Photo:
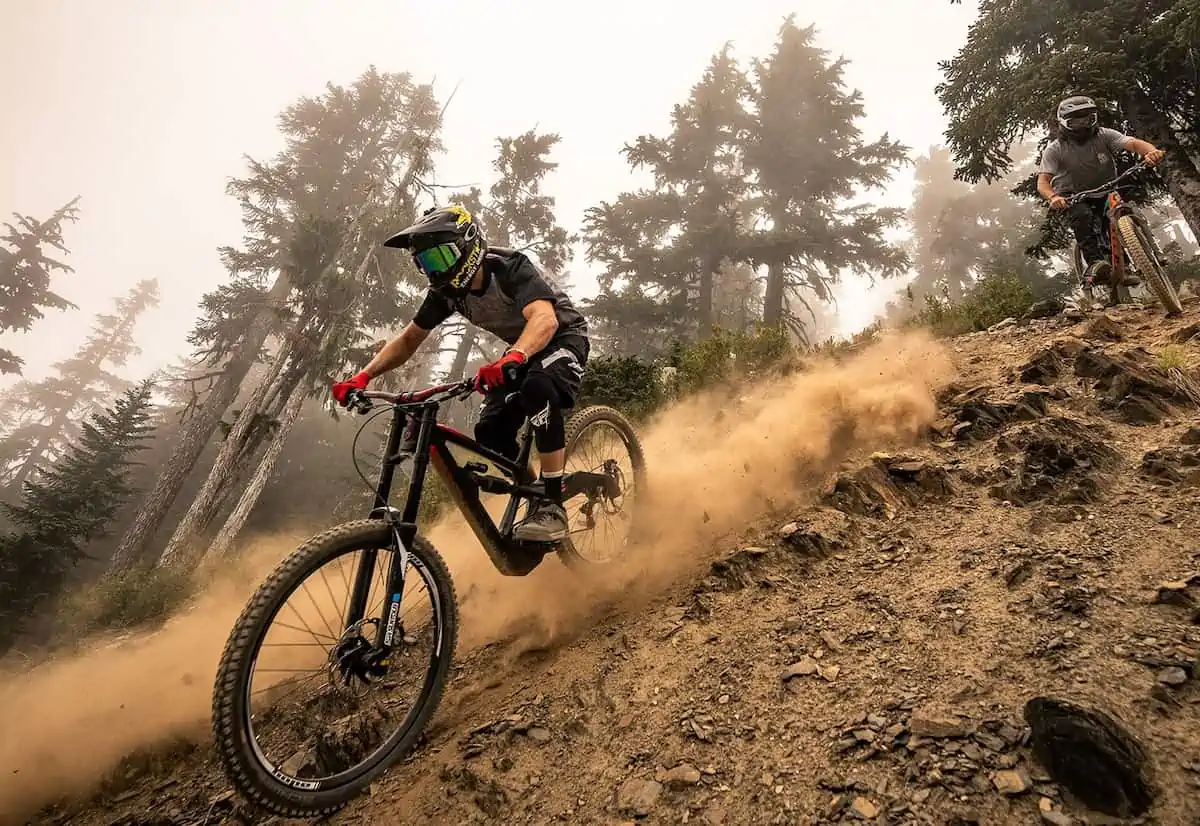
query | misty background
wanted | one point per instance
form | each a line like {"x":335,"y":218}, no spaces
{"x":145,"y":110}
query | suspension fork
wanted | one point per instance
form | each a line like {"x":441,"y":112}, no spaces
{"x":403,"y":532}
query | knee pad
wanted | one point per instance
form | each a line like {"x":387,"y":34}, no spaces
{"x":494,"y":433}
{"x":539,"y":399}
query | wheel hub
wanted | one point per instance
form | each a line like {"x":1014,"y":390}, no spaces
{"x":355,"y":658}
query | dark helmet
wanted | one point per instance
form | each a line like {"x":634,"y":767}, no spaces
{"x":447,"y":246}
{"x":1078,"y":117}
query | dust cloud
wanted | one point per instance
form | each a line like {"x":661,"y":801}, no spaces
{"x":716,"y":464}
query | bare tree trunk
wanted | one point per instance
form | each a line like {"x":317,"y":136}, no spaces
{"x":705,"y":310}
{"x":244,"y":465}
{"x":198,"y":431}
{"x":262,"y":474}
{"x":773,"y":297}
{"x":462,"y":355}
{"x":203,"y":508}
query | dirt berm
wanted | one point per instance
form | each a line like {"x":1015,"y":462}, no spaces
{"x":866,"y":649}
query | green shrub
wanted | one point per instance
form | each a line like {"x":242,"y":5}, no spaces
{"x":137,"y":598}
{"x":995,"y":298}
{"x":726,"y":354}
{"x":633,"y":386}
{"x":992,"y":299}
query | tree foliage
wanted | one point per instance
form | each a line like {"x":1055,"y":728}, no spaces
{"x":70,"y":503}
{"x":27,"y":270}
{"x":760,"y":168}
{"x":962,"y":230}
{"x":41,"y":417}
{"x":811,"y":162}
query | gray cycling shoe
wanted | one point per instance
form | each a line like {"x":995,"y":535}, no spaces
{"x":547,"y":523}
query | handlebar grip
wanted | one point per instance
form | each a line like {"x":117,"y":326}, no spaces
{"x":357,"y":402}
{"x":511,"y":373}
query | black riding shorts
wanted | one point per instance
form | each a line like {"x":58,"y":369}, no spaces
{"x":559,"y":368}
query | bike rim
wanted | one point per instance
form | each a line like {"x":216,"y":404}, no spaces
{"x":599,"y":530}
{"x":318,"y":756}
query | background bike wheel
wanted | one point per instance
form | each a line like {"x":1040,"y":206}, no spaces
{"x":1140,"y":250}
{"x":292,"y":786}
{"x":594,"y":435}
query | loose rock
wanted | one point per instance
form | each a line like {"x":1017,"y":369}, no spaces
{"x":638,"y":796}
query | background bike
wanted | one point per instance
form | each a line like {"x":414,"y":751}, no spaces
{"x":353,"y":656}
{"x":1132,"y":248}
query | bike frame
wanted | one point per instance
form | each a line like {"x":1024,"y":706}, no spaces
{"x":1114,"y":208}
{"x":464,"y":481}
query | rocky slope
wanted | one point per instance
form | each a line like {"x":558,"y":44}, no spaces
{"x":868,"y":658}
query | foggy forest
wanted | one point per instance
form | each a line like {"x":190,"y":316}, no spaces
{"x":768,"y":222}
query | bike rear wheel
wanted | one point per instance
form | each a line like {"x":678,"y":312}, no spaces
{"x":331,"y":765}
{"x":1141,"y":251}
{"x":601,"y":527}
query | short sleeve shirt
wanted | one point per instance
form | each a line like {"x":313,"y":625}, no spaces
{"x":511,"y":283}
{"x":1076,"y":167}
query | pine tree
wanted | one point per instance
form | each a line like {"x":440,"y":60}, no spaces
{"x":27,"y":270}
{"x":809,"y":157}
{"x":67,"y":505}
{"x":959,"y":229}
{"x":43,"y":416}
{"x":306,"y":278}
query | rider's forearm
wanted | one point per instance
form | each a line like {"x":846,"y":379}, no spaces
{"x":539,"y":329}
{"x":395,"y":353}
{"x":1043,"y":187}
{"x":1141,"y":147}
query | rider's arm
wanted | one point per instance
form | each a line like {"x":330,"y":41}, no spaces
{"x":397,"y":351}
{"x":541,"y":323}
{"x":1043,"y":185}
{"x":433,"y":311}
{"x":1047,"y":171}
{"x":534,"y":295}
{"x":1140,"y":147}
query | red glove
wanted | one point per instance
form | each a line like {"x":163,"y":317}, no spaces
{"x":491,"y":376}
{"x":341,"y":389}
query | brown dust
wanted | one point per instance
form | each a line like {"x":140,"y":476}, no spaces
{"x":716,"y":464}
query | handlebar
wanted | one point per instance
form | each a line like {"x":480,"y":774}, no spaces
{"x":360,"y":400}
{"x":1108,"y":187}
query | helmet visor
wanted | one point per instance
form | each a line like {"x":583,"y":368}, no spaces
{"x":1083,"y":121}
{"x":437,"y":260}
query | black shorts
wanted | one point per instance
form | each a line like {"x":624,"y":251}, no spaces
{"x":563,"y":361}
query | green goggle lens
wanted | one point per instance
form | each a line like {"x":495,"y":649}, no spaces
{"x":437,"y":260}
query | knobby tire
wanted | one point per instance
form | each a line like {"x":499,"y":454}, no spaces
{"x":578,"y":423}
{"x":1147,"y":265}
{"x":230,"y":716}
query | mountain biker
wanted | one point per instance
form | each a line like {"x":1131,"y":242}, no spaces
{"x":1079,"y":159}
{"x":502,"y":291}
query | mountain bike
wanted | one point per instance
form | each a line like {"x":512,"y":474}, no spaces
{"x":368,"y":648}
{"x":1131,"y":245}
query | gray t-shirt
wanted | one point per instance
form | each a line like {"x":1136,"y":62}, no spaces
{"x":511,"y":282}
{"x":1076,"y":167}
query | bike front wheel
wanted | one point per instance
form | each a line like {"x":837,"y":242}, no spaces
{"x":1142,"y":252}
{"x":282,"y":757}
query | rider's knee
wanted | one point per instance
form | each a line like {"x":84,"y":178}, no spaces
{"x":494,"y":433}
{"x":540,"y":400}
{"x":537,"y":391}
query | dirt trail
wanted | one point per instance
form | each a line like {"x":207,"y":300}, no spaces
{"x":815,"y":635}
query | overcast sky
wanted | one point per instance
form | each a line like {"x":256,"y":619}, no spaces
{"x":145,"y":108}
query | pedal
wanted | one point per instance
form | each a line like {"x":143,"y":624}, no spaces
{"x":475,"y":467}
